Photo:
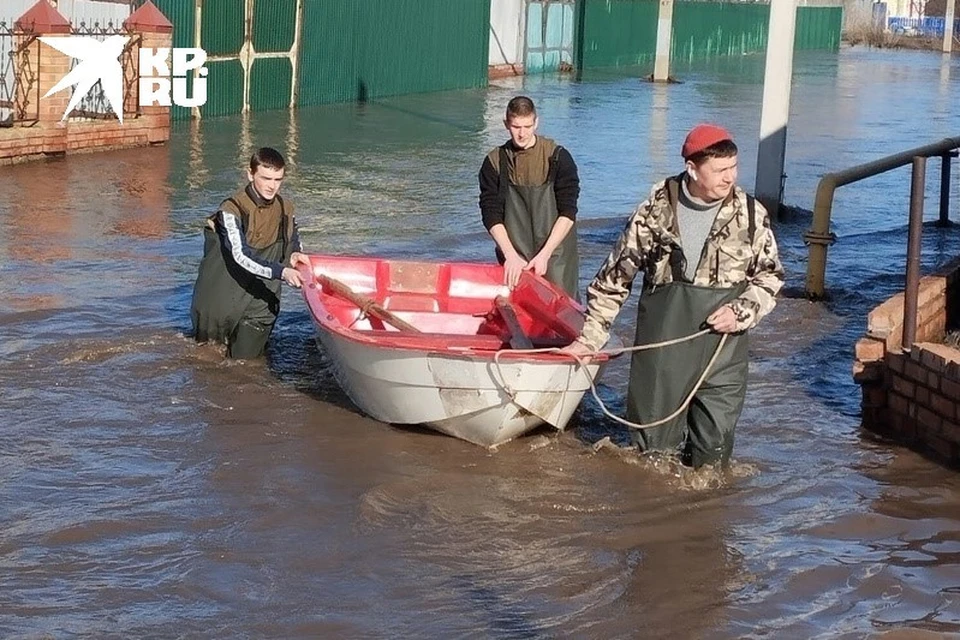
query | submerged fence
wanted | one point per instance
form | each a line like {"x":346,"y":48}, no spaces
{"x":623,"y":33}
{"x":268,"y":54}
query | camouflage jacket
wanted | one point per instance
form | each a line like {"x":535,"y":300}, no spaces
{"x":651,"y":238}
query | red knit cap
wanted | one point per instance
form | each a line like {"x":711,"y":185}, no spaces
{"x":703,"y":136}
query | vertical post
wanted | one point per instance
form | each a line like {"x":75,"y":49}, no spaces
{"x":776,"y":104}
{"x":657,"y":144}
{"x":948,"y":27}
{"x":580,"y":27}
{"x":945,"y":189}
{"x":661,"y":66}
{"x":819,"y":237}
{"x":198,"y":43}
{"x":156,"y":32}
{"x":914,"y":231}
{"x":295,"y":56}
{"x":247,"y":53}
{"x":42,"y":19}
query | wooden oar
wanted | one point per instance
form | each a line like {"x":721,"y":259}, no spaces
{"x":518,"y":339}
{"x":367,"y":305}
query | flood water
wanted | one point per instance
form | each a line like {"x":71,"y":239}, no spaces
{"x":148,"y":488}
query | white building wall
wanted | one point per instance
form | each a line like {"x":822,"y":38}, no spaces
{"x":507,"y":21}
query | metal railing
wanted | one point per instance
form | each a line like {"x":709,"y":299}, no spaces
{"x":20,"y":63}
{"x":819,"y":237}
{"x":19,"y":77}
{"x":911,"y":291}
{"x":95,"y":106}
{"x":932,"y":26}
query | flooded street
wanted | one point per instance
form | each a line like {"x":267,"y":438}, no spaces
{"x":148,"y":488}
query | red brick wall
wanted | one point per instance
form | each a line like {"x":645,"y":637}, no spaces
{"x":923,"y":400}
{"x":913,"y":395}
{"x":22,"y":144}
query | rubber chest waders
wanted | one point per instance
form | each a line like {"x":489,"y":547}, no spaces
{"x":660,"y":379}
{"x":529,"y":214}
{"x":231,"y":305}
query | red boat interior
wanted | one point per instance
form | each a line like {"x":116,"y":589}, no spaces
{"x":438,"y":305}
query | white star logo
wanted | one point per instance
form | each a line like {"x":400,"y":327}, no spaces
{"x":99,"y":62}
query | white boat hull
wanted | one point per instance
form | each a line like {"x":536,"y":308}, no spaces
{"x":465,"y":395}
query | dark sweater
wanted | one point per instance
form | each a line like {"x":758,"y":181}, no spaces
{"x":566,"y":187}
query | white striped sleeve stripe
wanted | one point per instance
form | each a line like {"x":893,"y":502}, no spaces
{"x":236,"y":242}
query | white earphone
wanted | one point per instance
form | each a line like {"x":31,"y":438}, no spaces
{"x":693,"y":175}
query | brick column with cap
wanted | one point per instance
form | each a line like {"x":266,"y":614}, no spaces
{"x":42,"y":19}
{"x":156,"y":33}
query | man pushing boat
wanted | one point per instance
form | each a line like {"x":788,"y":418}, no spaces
{"x":528,"y":201}
{"x":709,"y":260}
{"x":247,"y":244}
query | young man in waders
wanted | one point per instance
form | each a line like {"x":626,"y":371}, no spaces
{"x":528,"y":201}
{"x":247,"y":244}
{"x":709,"y":260}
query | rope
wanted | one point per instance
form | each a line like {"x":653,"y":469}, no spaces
{"x":616,"y":352}
{"x":364,"y":312}
{"x":365,"y":308}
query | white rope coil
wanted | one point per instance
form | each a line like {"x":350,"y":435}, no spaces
{"x":615,"y":352}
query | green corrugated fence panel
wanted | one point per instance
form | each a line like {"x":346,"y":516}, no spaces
{"x":326,"y":68}
{"x":708,"y":29}
{"x":270,"y":80}
{"x":221,"y":28}
{"x":618,"y":33}
{"x":360,"y":49}
{"x":224,"y":88}
{"x":182,"y":14}
{"x":818,"y":28}
{"x":274,"y":24}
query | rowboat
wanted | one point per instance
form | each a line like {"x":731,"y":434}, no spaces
{"x":447,"y":345}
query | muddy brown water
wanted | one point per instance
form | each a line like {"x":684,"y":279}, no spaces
{"x":148,"y":488}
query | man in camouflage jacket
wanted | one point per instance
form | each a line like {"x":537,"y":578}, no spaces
{"x":700,"y":215}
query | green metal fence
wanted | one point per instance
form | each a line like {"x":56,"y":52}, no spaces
{"x":182,"y":13}
{"x":360,"y":49}
{"x":819,"y":28}
{"x":274,"y":25}
{"x":224,"y":88}
{"x":615,"y":33}
{"x":222,"y":27}
{"x":703,"y":30}
{"x":271,"y":54}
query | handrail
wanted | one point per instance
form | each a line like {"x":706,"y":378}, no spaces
{"x":819,"y":237}
{"x":911,"y":290}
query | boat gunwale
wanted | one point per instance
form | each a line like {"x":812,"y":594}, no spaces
{"x":426,"y":343}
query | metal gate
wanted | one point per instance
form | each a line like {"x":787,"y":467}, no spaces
{"x":550,"y":31}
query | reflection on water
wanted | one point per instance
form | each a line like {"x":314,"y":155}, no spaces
{"x":153,"y":489}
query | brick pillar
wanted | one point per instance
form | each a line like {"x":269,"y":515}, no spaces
{"x":42,"y":19}
{"x":157,"y":33}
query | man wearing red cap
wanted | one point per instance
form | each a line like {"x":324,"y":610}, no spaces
{"x":709,"y":260}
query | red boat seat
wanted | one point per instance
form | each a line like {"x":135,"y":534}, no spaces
{"x":410,"y":302}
